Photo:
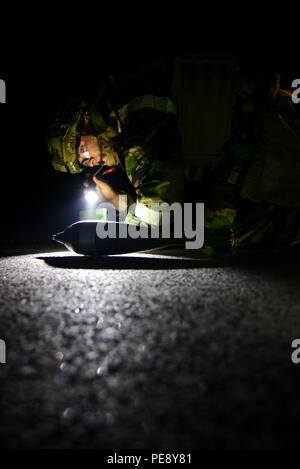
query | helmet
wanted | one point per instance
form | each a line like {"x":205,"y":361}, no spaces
{"x":62,"y":136}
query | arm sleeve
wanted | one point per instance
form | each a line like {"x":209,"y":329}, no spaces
{"x":153,"y":164}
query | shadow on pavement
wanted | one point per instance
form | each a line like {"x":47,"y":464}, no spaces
{"x":134,"y":262}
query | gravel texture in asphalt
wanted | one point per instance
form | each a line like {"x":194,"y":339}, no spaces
{"x":149,"y":351}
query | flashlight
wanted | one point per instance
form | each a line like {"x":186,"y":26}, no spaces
{"x":91,"y":197}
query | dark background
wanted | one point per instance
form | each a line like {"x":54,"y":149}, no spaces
{"x":252,"y":388}
{"x":52,"y":64}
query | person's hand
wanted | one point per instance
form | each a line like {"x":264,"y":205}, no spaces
{"x":87,"y":182}
{"x":107,"y":194}
{"x":104,"y":190}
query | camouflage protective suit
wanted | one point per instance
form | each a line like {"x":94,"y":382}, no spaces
{"x":256,"y":190}
{"x":135,"y":119}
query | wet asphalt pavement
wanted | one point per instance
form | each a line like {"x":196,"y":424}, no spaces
{"x":149,"y":351}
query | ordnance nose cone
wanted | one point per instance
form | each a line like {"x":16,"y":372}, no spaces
{"x":59,"y":237}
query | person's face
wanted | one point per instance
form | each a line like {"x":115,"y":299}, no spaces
{"x":89,"y":153}
{"x":92,"y":153}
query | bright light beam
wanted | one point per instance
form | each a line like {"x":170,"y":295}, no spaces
{"x":91,"y":197}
